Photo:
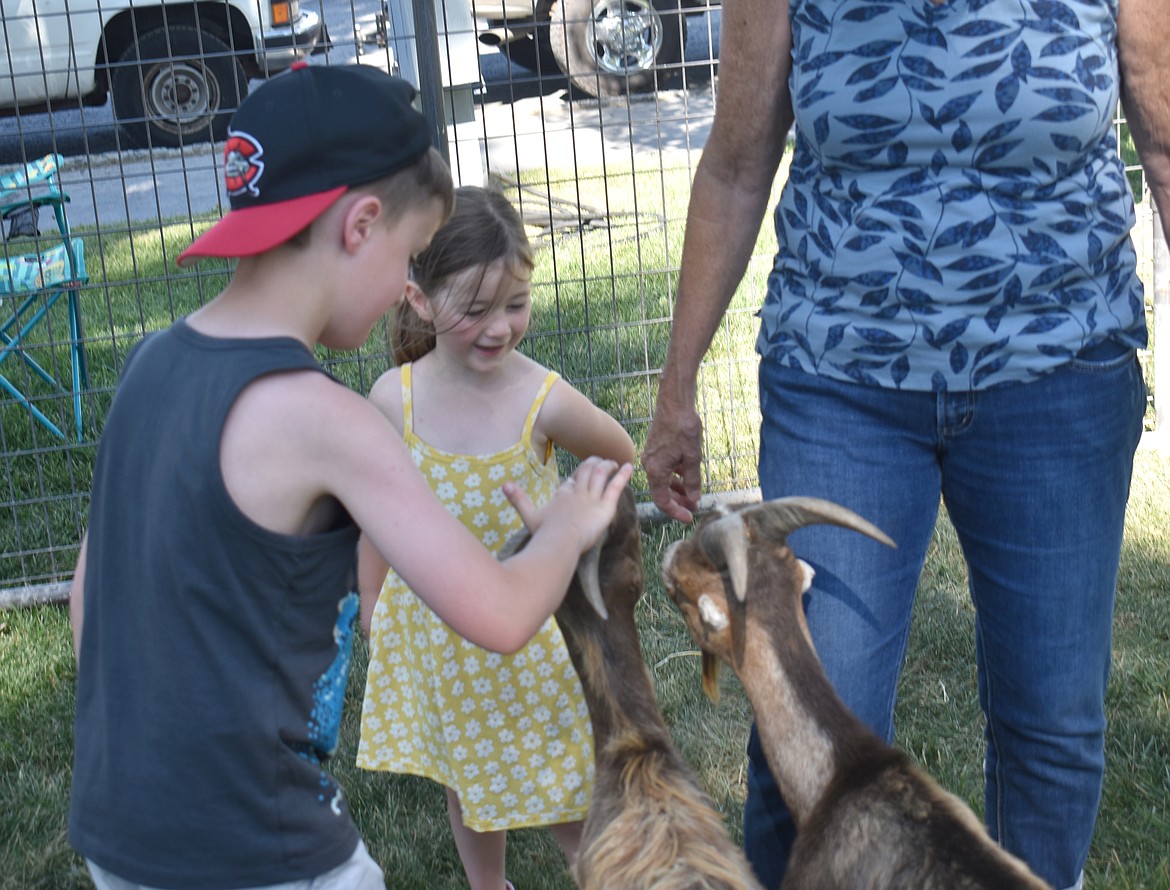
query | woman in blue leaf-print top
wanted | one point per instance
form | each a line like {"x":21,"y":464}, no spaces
{"x":952,"y":313}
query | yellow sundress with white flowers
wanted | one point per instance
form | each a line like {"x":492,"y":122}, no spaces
{"x":510,"y":734}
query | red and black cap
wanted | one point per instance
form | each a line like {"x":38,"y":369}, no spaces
{"x":298,"y":142}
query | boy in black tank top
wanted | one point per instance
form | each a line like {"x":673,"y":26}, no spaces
{"x":214,"y":596}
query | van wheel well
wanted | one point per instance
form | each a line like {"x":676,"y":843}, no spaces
{"x":218,"y":19}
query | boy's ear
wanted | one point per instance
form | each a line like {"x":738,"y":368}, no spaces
{"x":360,"y":220}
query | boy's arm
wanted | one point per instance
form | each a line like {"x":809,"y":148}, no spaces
{"x":77,"y":598}
{"x":345,"y":447}
{"x":574,"y":423}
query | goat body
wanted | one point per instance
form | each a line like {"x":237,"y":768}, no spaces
{"x":866,"y":816}
{"x":650,"y":825}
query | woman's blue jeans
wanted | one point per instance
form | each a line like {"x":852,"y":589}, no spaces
{"x":1035,"y":479}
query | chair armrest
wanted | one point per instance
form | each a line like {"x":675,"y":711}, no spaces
{"x":56,"y":199}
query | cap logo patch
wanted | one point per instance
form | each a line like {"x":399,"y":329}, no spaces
{"x":242,"y":164}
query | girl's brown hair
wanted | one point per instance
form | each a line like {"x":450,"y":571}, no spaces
{"x":484,"y":229}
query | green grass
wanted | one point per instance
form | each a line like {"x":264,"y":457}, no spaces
{"x":404,"y":819}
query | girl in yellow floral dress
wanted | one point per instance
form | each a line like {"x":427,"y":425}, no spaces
{"x":507,"y":735}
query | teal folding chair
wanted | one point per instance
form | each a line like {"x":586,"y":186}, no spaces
{"x":34,"y":281}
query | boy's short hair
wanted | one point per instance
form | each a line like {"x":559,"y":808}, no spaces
{"x":299,"y":142}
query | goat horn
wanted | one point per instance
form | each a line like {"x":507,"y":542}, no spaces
{"x":588,"y":567}
{"x":589,"y":577}
{"x":785,"y":515}
{"x":724,"y":540}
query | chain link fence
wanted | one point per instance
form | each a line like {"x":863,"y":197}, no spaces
{"x":601,"y":177}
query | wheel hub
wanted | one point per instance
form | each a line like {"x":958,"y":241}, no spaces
{"x":181,"y":96}
{"x":625,"y":35}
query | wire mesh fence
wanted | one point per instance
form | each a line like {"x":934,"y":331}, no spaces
{"x":601,"y":176}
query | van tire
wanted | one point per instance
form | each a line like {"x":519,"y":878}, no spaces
{"x":177,"y":85}
{"x":587,"y":41}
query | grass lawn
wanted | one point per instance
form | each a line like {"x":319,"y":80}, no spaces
{"x":404,"y":820}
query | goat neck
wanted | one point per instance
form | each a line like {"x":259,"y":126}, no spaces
{"x":602,"y":636}
{"x":650,"y":825}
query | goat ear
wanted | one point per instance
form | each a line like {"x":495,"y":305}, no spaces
{"x":724,"y":540}
{"x":809,"y":573}
{"x":589,"y":577}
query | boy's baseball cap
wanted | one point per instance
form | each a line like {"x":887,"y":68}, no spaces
{"x":298,"y":142}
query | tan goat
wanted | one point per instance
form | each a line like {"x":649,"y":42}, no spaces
{"x":866,"y":817}
{"x":650,"y":825}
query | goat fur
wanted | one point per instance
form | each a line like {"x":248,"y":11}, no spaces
{"x":866,"y":817}
{"x":650,"y":825}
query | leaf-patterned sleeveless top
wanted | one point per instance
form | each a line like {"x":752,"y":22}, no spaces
{"x":956,"y":216}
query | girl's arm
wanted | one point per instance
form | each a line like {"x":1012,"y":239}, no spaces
{"x":371,"y":573}
{"x":386,"y":396}
{"x":77,"y":598}
{"x":574,"y":423}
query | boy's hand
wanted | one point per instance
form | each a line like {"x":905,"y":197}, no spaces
{"x":587,"y":500}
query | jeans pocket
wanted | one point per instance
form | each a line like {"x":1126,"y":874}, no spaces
{"x":1104,"y":361}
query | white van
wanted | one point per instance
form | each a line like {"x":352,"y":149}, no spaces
{"x":174,"y":69}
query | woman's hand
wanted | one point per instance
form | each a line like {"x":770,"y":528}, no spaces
{"x":672,"y":456}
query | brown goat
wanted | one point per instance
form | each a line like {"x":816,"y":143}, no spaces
{"x":650,"y":825}
{"x":866,"y":817}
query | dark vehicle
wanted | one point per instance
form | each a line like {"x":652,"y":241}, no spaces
{"x":604,"y":47}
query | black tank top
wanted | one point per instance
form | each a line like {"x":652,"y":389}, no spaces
{"x":215,"y":652}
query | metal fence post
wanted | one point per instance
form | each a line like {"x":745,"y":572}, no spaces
{"x":430,"y":72}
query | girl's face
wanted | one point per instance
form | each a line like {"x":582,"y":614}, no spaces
{"x":482,"y":314}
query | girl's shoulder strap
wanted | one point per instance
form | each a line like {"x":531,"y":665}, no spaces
{"x":529,"y":422}
{"x":407,"y":400}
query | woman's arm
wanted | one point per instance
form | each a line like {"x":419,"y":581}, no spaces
{"x":729,"y":197}
{"x":1143,"y":38}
